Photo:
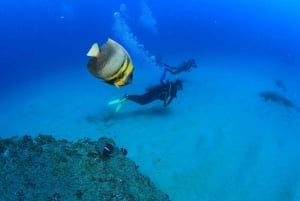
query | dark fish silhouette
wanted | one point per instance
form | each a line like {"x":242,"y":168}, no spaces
{"x":277,"y":98}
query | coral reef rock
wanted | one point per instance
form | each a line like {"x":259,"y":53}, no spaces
{"x":47,"y":169}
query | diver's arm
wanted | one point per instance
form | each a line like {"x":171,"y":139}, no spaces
{"x":167,"y":66}
{"x":168,"y":100}
{"x":170,"y":69}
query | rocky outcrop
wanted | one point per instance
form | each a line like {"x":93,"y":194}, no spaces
{"x":47,"y":169}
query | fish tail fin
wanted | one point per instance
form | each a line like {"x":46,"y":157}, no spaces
{"x":94,"y":51}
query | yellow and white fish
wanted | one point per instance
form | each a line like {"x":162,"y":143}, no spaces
{"x":111,"y":63}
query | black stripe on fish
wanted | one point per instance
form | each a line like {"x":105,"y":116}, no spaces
{"x":112,"y":81}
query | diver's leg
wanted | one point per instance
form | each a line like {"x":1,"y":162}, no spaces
{"x":141,"y":99}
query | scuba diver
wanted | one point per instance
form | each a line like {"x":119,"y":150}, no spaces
{"x":184,"y":67}
{"x":166,"y":91}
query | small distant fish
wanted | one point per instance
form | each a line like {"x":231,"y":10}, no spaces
{"x":280,"y":84}
{"x":277,"y":98}
{"x":111,"y":63}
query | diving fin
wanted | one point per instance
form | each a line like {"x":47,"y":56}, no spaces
{"x":119,"y":101}
{"x":116,"y":101}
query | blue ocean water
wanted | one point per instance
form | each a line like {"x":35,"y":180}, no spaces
{"x":219,"y":140}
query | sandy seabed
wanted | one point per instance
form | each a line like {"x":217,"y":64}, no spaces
{"x":217,"y":141}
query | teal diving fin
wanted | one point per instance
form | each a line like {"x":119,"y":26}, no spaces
{"x":119,"y":101}
{"x":116,"y":101}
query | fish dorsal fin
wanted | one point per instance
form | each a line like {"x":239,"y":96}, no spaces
{"x":94,"y":51}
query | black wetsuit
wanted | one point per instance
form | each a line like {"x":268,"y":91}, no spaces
{"x":186,"y":66}
{"x":165,"y":91}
